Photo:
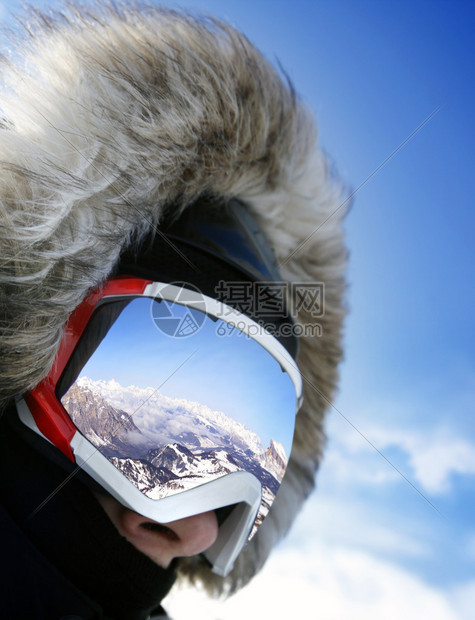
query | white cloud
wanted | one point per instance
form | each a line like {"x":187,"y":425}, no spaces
{"x":435,"y":464}
{"x":328,"y":583}
{"x":463,"y":599}
{"x":357,"y":525}
{"x":343,"y":465}
{"x":432,"y":456}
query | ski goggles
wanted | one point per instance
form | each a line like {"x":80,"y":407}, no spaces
{"x":175,"y":403}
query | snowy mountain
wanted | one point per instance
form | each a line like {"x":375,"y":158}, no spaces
{"x":165,"y":445}
{"x":104,"y":426}
{"x":276,"y":459}
{"x":193,"y":424}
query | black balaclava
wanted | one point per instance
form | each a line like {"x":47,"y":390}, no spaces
{"x":72,"y":530}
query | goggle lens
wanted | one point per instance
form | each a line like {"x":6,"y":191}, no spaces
{"x":175,"y":398}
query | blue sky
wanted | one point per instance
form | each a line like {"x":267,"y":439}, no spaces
{"x":386,"y":80}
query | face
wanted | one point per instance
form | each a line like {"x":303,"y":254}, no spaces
{"x":250,"y":418}
{"x":162,"y":542}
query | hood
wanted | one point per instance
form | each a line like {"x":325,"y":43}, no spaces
{"x":111,"y":118}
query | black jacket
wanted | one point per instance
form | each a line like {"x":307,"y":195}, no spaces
{"x":64,"y":559}
{"x":31,"y":587}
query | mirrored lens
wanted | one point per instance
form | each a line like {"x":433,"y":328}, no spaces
{"x":173,"y":412}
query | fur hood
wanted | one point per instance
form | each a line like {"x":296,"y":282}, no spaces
{"x":110,"y":117}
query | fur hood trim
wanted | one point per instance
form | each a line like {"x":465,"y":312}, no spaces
{"x":110,"y":117}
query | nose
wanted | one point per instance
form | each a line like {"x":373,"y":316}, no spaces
{"x":162,"y":542}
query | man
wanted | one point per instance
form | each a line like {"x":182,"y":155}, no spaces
{"x":165,"y":221}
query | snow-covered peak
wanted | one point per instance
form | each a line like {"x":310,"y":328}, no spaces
{"x":175,"y":418}
{"x":279,"y":449}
